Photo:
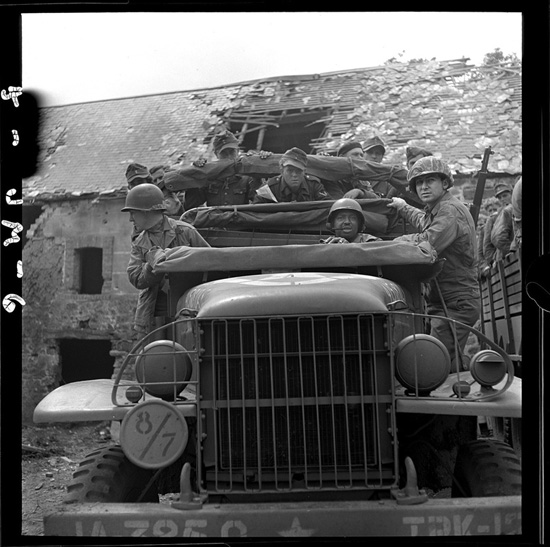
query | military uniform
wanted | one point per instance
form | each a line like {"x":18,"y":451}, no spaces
{"x":382,"y":188}
{"x":338,"y":189}
{"x":233,"y":190}
{"x":152,"y":300}
{"x":276,"y":190}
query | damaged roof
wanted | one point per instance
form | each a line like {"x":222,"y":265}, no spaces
{"x":453,"y":108}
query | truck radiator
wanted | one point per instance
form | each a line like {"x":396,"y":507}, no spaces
{"x":297,"y":403}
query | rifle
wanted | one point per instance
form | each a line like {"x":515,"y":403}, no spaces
{"x":480,"y":186}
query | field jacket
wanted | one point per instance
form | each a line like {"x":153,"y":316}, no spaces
{"x":449,"y":227}
{"x":233,"y":190}
{"x":276,"y":190}
{"x":172,"y":233}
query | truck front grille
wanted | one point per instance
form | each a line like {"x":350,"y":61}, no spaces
{"x":297,"y":403}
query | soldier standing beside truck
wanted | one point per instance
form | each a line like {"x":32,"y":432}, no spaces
{"x":155,"y":229}
{"x":447,"y":225}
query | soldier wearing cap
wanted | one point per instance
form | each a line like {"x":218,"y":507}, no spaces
{"x":447,"y":225}
{"x":293,"y":184}
{"x":502,"y":230}
{"x":157,"y":173}
{"x":374,"y":150}
{"x":137,"y":174}
{"x":414,"y":153}
{"x":233,"y":190}
{"x":350,"y":187}
{"x":145,"y":203}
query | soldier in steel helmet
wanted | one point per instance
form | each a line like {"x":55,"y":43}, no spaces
{"x":347,"y":221}
{"x":293,"y":184}
{"x":445,"y":223}
{"x":233,"y":190}
{"x":145,"y":203}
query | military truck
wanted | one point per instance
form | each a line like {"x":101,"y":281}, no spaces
{"x":294,"y":392}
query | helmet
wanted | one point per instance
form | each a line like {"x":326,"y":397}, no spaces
{"x":145,"y":197}
{"x":425,"y":166}
{"x":346,"y":204}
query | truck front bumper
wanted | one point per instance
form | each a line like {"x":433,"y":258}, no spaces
{"x":435,"y":517}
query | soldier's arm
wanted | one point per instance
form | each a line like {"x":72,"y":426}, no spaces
{"x":444,"y":229}
{"x":140,"y":272}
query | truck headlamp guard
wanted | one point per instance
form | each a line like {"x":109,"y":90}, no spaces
{"x":163,"y":368}
{"x":163,"y":361}
{"x":489,"y":367}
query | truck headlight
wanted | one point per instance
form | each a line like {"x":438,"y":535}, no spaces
{"x":422,"y":363}
{"x":487,"y":367}
{"x":163,"y":368}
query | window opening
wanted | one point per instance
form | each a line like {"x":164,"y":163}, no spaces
{"x":85,"y":359}
{"x":90,"y":270}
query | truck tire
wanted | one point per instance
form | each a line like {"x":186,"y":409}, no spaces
{"x":107,"y":476}
{"x":486,"y":468}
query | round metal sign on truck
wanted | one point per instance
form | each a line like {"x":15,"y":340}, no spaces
{"x":153,"y":434}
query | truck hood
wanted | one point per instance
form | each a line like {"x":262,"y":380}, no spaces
{"x":291,"y":294}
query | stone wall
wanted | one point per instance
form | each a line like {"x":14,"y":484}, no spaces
{"x":54,"y":308}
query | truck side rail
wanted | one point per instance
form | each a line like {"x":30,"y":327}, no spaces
{"x":501,"y":312}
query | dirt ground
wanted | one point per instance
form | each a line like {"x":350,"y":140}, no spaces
{"x":50,"y":455}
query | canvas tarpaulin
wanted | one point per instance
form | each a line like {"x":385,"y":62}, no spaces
{"x":305,"y":216}
{"x":377,"y":253}
{"x":325,"y":167}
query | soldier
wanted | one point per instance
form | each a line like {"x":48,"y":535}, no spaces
{"x":374,"y":150}
{"x":293,"y":184}
{"x":488,"y":251}
{"x":137,"y":174}
{"x":350,"y":188}
{"x":157,"y":173}
{"x":502,"y":231}
{"x":448,"y":226}
{"x":346,"y":220}
{"x":414,"y":153}
{"x":233,"y":190}
{"x":516,"y":213}
{"x":145,"y":203}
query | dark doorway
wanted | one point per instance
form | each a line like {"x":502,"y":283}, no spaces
{"x":85,"y":359}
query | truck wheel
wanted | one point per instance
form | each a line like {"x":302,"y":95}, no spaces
{"x":514,"y":437}
{"x":486,"y":468}
{"x":107,"y":476}
{"x":508,"y":430}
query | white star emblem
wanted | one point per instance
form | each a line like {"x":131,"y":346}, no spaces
{"x":296,"y":530}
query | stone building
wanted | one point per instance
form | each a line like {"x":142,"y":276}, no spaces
{"x":79,"y":303}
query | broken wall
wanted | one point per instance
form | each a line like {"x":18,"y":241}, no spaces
{"x":54,"y":308}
